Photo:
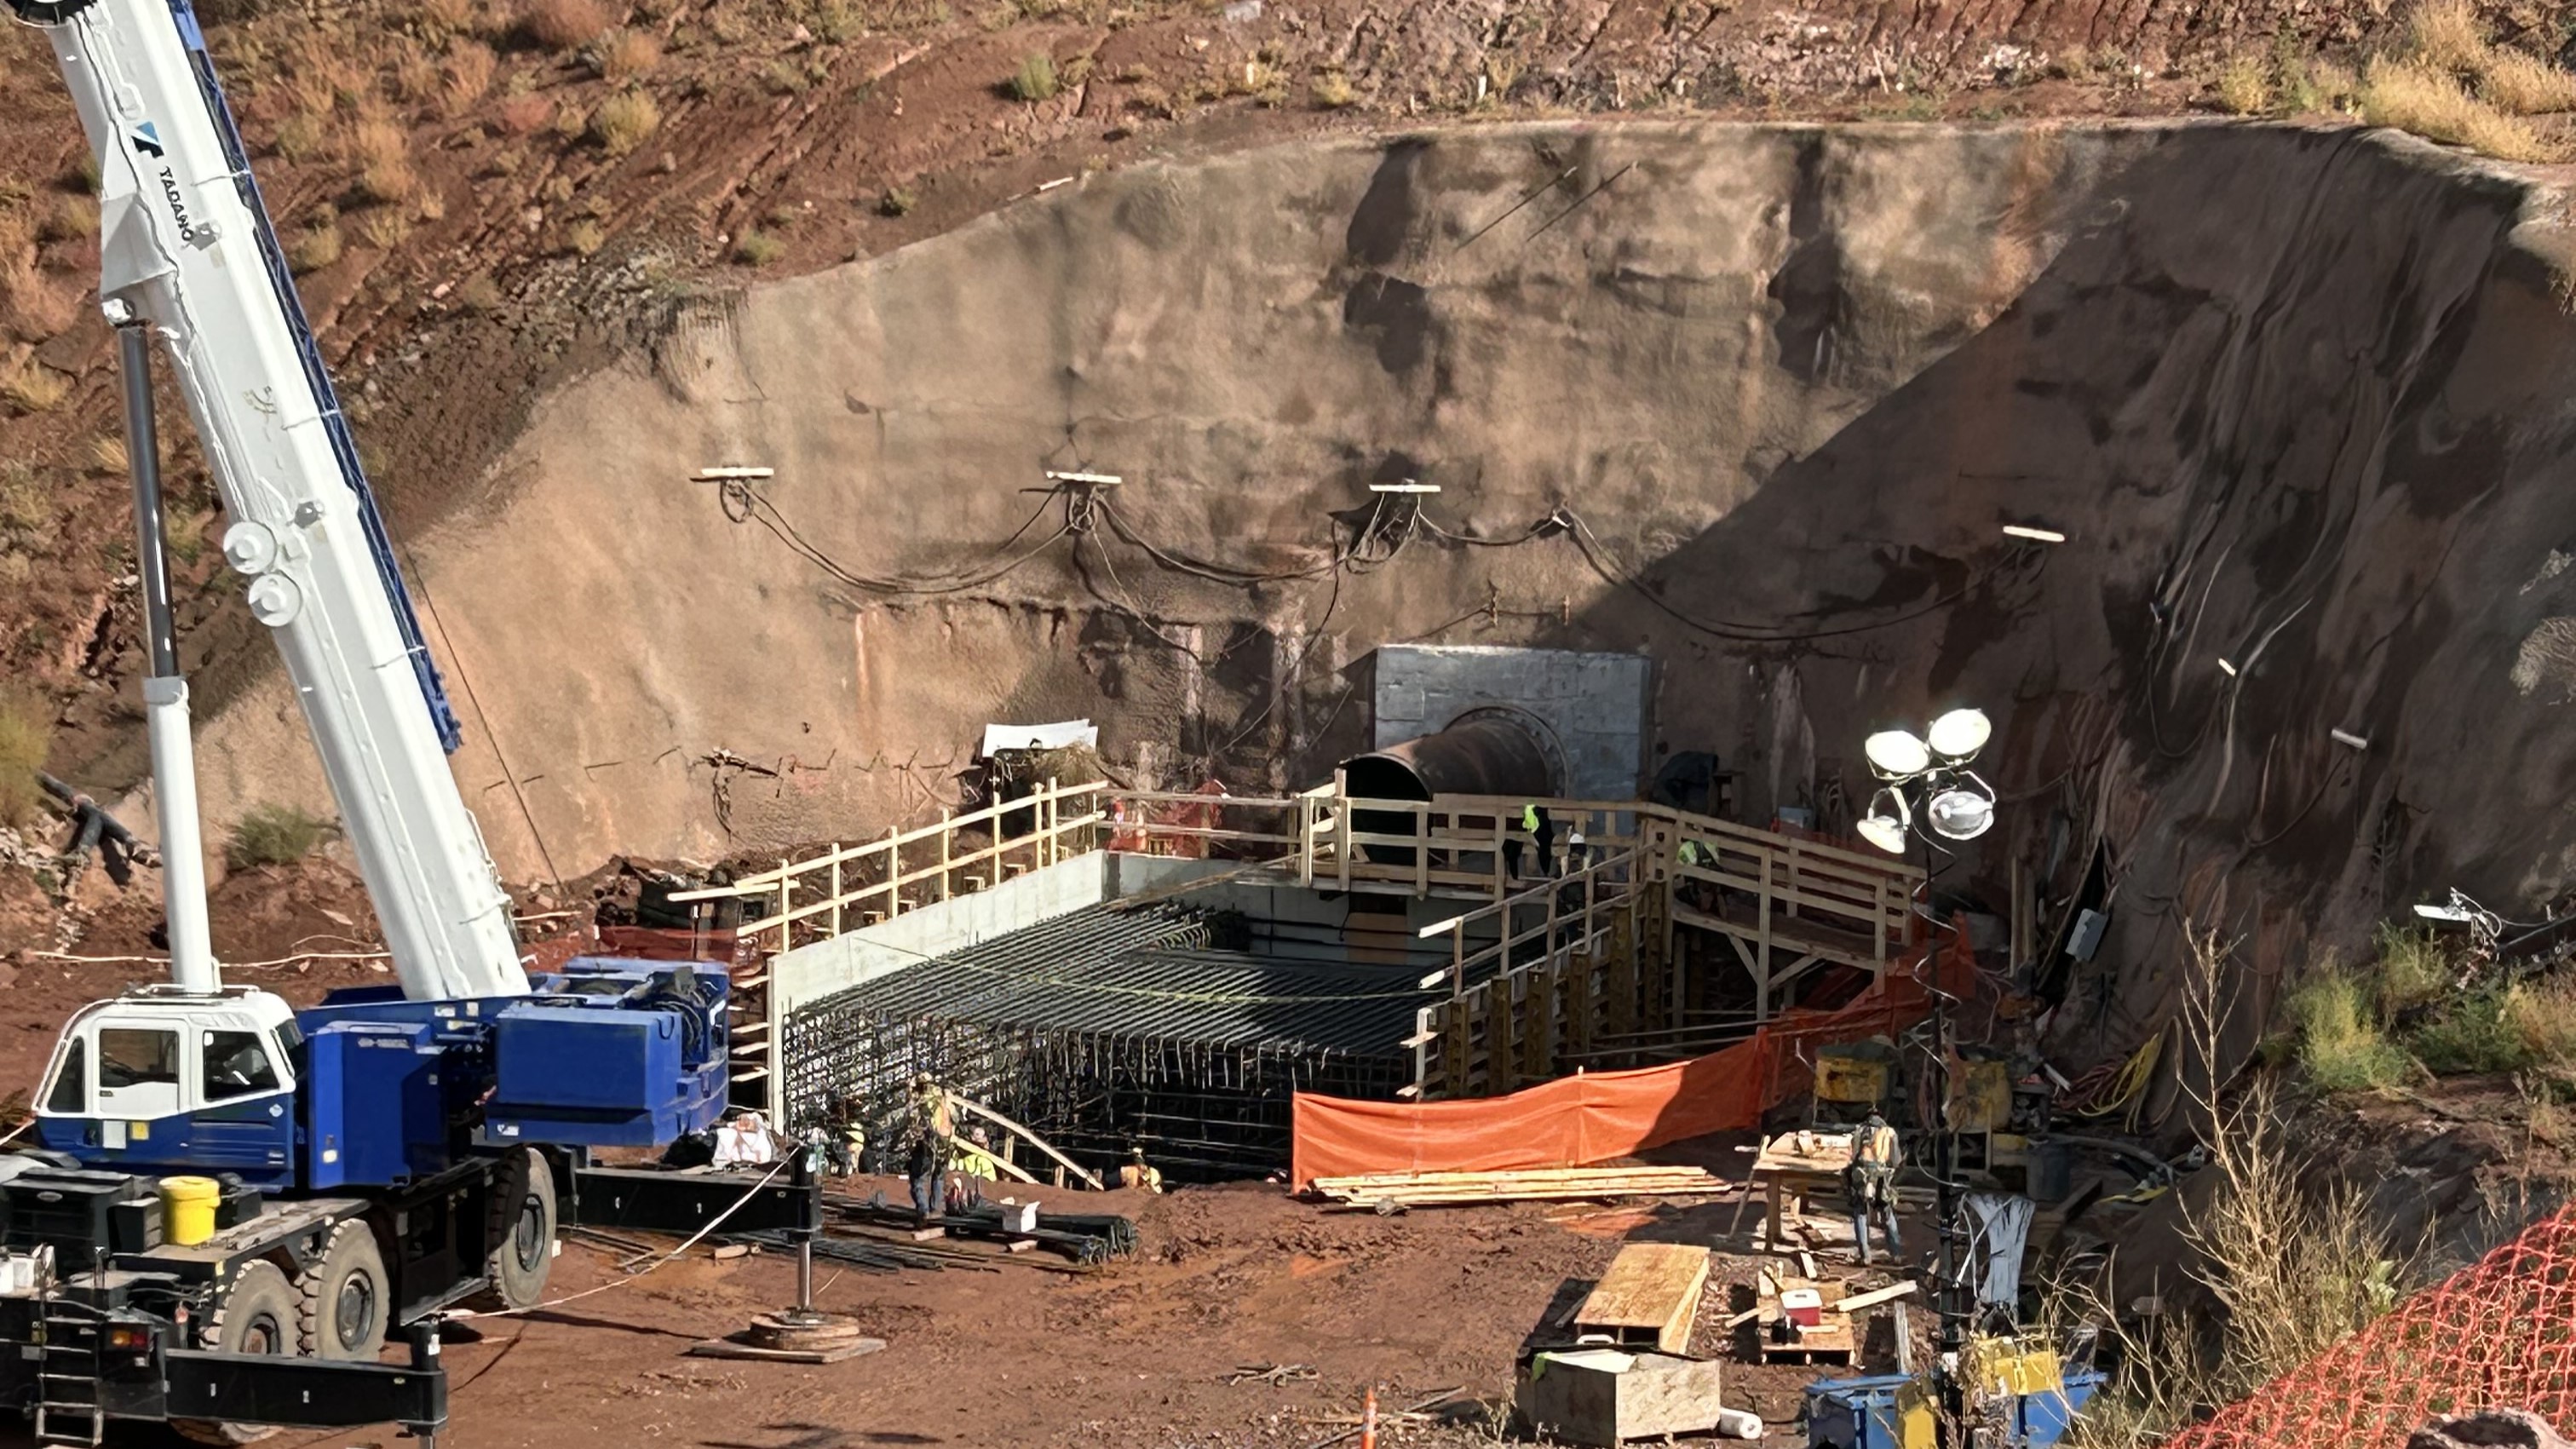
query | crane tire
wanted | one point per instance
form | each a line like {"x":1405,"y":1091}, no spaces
{"x":259,"y":1313}
{"x":345,"y":1297}
{"x":522,"y":1232}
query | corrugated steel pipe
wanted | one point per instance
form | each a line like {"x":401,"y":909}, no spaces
{"x":1483,"y":754}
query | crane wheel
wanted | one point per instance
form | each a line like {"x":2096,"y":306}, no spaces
{"x":345,"y":1297}
{"x":523,"y":1232}
{"x":259,"y":1313}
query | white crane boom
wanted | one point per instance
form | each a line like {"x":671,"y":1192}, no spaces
{"x":186,"y":245}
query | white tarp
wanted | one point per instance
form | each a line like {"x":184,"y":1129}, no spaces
{"x":999,"y":737}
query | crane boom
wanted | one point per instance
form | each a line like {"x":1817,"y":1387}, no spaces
{"x":186,"y":246}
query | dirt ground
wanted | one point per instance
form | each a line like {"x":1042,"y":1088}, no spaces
{"x":1428,"y":1307}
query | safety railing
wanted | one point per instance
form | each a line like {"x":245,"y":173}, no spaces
{"x":868,"y":882}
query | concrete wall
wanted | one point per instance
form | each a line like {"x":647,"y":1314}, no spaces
{"x":846,"y":960}
{"x":1589,"y":709}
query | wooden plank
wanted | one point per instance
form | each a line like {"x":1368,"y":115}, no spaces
{"x":1651,"y":1288}
{"x":1877,"y":1296}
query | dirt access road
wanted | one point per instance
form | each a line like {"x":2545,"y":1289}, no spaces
{"x":1136,"y":1355}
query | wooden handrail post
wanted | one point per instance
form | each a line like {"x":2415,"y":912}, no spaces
{"x":947,"y":847}
{"x":1458,"y":959}
{"x":786,"y":892}
{"x":836,"y":887}
{"x":894,"y":873}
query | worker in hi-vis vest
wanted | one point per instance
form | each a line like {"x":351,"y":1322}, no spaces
{"x":1871,"y":1181}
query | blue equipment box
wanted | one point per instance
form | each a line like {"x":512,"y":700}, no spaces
{"x":378,"y":1104}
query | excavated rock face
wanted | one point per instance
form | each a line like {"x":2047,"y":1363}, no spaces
{"x":2294,"y":396}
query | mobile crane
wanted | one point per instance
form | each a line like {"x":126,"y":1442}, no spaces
{"x":395,"y":1151}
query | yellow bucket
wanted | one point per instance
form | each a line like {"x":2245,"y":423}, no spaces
{"x":188,"y":1209}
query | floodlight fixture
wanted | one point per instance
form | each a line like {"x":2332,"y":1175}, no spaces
{"x":1884,"y":825}
{"x":1897,"y":754}
{"x":1958,"y":735}
{"x":1960,"y":813}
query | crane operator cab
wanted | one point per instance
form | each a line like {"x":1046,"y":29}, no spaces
{"x":161,"y":1081}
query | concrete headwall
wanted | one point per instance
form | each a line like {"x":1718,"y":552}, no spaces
{"x":808,"y":972}
{"x":1589,"y":709}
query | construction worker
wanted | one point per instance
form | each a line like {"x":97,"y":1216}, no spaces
{"x":970,"y":1166}
{"x":931,"y":1145}
{"x":1140,"y":1174}
{"x":1870,"y":1181}
{"x":744,"y":1141}
{"x":1543,"y":831}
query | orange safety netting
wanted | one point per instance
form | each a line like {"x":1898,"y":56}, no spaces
{"x":1598,"y":1115}
{"x":2499,"y":1334}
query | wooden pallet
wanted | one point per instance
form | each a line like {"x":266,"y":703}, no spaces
{"x":1832,"y":1341}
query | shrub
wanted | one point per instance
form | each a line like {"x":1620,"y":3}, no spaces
{"x":479,"y":294}
{"x":2413,"y":972}
{"x":622,"y":55}
{"x":623,"y":121}
{"x":758,"y":249}
{"x":1035,"y":79}
{"x":780,"y":78}
{"x":2340,"y":1045}
{"x":563,"y":24}
{"x":444,"y":17}
{"x":24,"y":504}
{"x":2446,"y":33}
{"x":384,"y":229}
{"x":2542,"y":1017}
{"x":467,"y":76}
{"x":1332,"y":91}
{"x":2525,"y":84}
{"x":26,"y":734}
{"x":273,"y":835}
{"x":69,"y":219}
{"x":34,"y":387}
{"x":2414,"y":96}
{"x":107,"y":455}
{"x":300,"y":137}
{"x":2244,"y":86}
{"x":897,"y":201}
{"x":585,"y":237}
{"x":316,"y":247}
{"x":2294,"y":1270}
{"x":388,"y":182}
{"x":2470,"y":1034}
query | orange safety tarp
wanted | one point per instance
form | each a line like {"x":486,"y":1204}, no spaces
{"x":1594,"y":1116}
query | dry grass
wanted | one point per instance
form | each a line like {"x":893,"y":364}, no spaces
{"x":26,"y":736}
{"x":2341,"y":1046}
{"x":2542,"y":1017}
{"x":35,"y":388}
{"x":1034,"y":80}
{"x":384,"y":229}
{"x":2526,"y":85}
{"x":300,"y":137}
{"x":561,"y":25}
{"x":2414,"y":96}
{"x":324,"y":74}
{"x":70,"y":218}
{"x":444,"y":17}
{"x":2446,"y":36}
{"x":758,"y":249}
{"x":624,"y":120}
{"x":622,"y":55}
{"x":36,"y":306}
{"x":2244,"y":86}
{"x":2446,"y":33}
{"x":585,"y":237}
{"x":26,"y":509}
{"x":1332,"y":91}
{"x":467,"y":75}
{"x":107,"y":455}
{"x":273,"y":835}
{"x":479,"y":293}
{"x":316,"y":247}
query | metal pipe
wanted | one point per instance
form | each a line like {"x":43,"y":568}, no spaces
{"x":165,"y":694}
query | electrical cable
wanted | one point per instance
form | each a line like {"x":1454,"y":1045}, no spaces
{"x":743,"y":503}
{"x":712,"y":1224}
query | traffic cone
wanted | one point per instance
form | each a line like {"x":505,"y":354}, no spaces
{"x":1368,"y":1421}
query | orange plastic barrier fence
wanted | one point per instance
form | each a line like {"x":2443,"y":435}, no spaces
{"x":2499,"y":1334}
{"x":1598,"y":1115}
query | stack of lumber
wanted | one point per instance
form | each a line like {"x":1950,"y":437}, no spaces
{"x":1649,"y":1298}
{"x":1390,"y":1190}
